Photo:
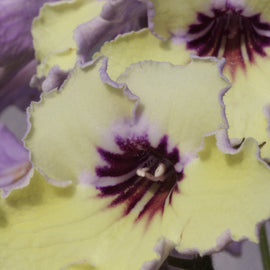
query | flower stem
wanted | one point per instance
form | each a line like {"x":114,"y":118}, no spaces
{"x":264,"y":248}
{"x":202,"y":263}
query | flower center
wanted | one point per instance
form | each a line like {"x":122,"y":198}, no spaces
{"x":156,"y":168}
{"x":141,"y":177}
{"x":229,"y":34}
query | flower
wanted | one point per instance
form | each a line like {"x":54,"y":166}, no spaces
{"x":145,"y":175}
{"x":238,"y":31}
{"x":15,"y":167}
{"x":93,"y":23}
{"x":17,"y":53}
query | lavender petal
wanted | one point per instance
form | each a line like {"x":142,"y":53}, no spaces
{"x":17,"y":90}
{"x":55,"y":79}
{"x":116,"y":18}
{"x":15,"y":41}
{"x":15,"y":167}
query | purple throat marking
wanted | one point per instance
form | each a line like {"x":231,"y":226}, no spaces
{"x":229,"y":34}
{"x":145,"y":170}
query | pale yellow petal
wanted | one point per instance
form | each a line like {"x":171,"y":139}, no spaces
{"x":262,"y":7}
{"x":224,"y":193}
{"x":246,"y":99}
{"x":68,"y":125}
{"x":53,"y":31}
{"x":184,"y":101}
{"x":140,"y":46}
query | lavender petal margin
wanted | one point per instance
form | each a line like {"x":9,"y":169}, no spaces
{"x":117,"y":17}
{"x":55,"y":79}
{"x":150,"y":15}
{"x":15,"y":167}
{"x":163,"y":249}
{"x":234,"y":248}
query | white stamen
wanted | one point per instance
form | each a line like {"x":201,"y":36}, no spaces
{"x":160,"y":170}
{"x":141,"y":171}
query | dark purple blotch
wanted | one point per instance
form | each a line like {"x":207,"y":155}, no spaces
{"x":137,"y":153}
{"x":223,"y":34}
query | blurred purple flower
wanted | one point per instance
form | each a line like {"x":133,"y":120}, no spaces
{"x":15,"y":167}
{"x":17,"y":63}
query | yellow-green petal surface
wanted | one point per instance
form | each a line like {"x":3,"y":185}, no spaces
{"x":53,"y":32}
{"x":262,"y":7}
{"x":246,"y":99}
{"x":184,"y":101}
{"x":223,"y":192}
{"x":68,"y":125}
{"x":45,"y":227}
{"x":174,"y":15}
{"x":140,"y":46}
{"x":80,"y":266}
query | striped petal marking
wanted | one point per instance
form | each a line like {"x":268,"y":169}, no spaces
{"x":231,"y":34}
{"x":148,"y":175}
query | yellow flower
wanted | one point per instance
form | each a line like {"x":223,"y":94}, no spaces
{"x":138,"y":155}
{"x":238,"y":31}
{"x":144,"y":179}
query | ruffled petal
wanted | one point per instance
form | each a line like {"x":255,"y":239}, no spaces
{"x":68,"y":125}
{"x":117,"y":17}
{"x":224,"y":193}
{"x":15,"y":167}
{"x":53,"y":32}
{"x":55,"y":79}
{"x":174,"y":98}
{"x":140,"y":46}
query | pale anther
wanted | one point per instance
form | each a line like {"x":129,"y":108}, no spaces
{"x":160,"y":170}
{"x":141,"y":171}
